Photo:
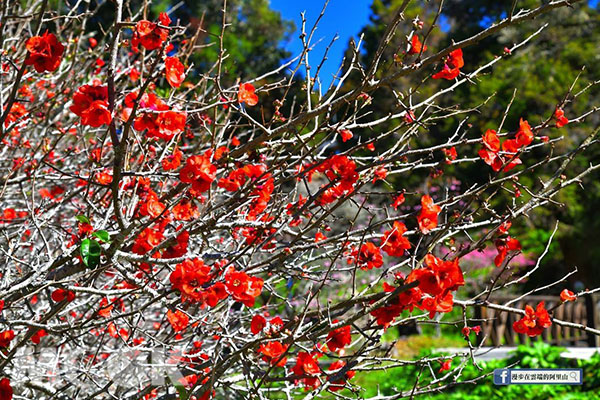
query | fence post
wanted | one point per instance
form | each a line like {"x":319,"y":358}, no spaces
{"x":478,"y":318}
{"x":591,"y":310}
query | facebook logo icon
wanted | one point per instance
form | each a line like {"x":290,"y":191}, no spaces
{"x":501,"y":377}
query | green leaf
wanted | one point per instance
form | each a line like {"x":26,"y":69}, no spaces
{"x":102,"y":235}
{"x":83,"y":219}
{"x":183,"y":394}
{"x":90,"y":252}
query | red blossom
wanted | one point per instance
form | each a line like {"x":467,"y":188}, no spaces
{"x":307,"y":365}
{"x":428,"y":217}
{"x":451,"y":69}
{"x":416,"y":46}
{"x":394,"y":244}
{"x":90,"y":102}
{"x":273,"y":353}
{"x":38,"y":335}
{"x":59,"y":295}
{"x":534,"y":322}
{"x":198,"y":171}
{"x":450,"y":154}
{"x":149,"y":35}
{"x":445,"y":366}
{"x":504,"y":246}
{"x":398,"y":200}
{"x":6,"y":391}
{"x":561,"y":120}
{"x":339,"y":338}
{"x":437,"y":277}
{"x":524,"y":134}
{"x":44,"y":52}
{"x":368,"y":257}
{"x":6,"y":337}
{"x":346,"y":135}
{"x":174,"y":71}
{"x":178,"y":320}
{"x":338,"y":382}
{"x":189,"y":277}
{"x":567,"y":295}
{"x":257,"y":324}
{"x":246,"y":94}
{"x":243,"y":287}
{"x":172,"y":161}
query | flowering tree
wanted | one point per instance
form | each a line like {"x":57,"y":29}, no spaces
{"x":164,"y":235}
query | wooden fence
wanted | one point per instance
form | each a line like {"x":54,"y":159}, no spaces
{"x":497,"y":328}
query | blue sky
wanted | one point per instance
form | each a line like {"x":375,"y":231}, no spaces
{"x":344,"y":17}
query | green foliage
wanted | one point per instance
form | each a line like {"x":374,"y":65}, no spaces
{"x":83,"y":219}
{"x":252,"y":39}
{"x":102,"y":235}
{"x":541,"y":355}
{"x":90,"y":252}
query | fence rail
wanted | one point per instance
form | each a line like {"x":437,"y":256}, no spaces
{"x":497,"y":325}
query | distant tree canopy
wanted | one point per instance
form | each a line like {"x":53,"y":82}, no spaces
{"x":253,"y":35}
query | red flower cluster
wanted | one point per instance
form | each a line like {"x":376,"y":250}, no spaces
{"x":273,"y":353}
{"x":59,"y":295}
{"x":490,"y":154}
{"x":466,"y":331}
{"x":179,"y":248}
{"x":307,"y":365}
{"x":6,"y":337}
{"x":438,"y":279}
{"x":394,"y":244}
{"x":147,"y":240}
{"x":561,"y":120}
{"x":454,"y":62}
{"x":149,"y":34}
{"x":236,"y":178}
{"x":450,"y":154}
{"x":185,"y":210}
{"x":172,"y":161}
{"x":534,"y":322}
{"x":198,"y":171}
{"x":243,"y":287}
{"x":174,"y":71}
{"x":503,"y":246}
{"x":159,"y":120}
{"x":368,"y":257}
{"x":90,"y":102}
{"x":338,"y":382}
{"x":416,"y":46}
{"x":17,"y":114}
{"x":246,"y":94}
{"x":406,"y":300}
{"x":261,"y":195}
{"x":567,"y":295}
{"x":188,"y":278}
{"x":438,"y":276}
{"x":346,"y":135}
{"x":259,"y":323}
{"x":178,"y":320}
{"x":44,"y":52}
{"x":339,"y":338}
{"x":6,"y":392}
{"x":428,"y":217}
{"x":341,"y":171}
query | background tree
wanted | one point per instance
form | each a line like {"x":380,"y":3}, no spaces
{"x":172,"y":231}
{"x":540,"y":72}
